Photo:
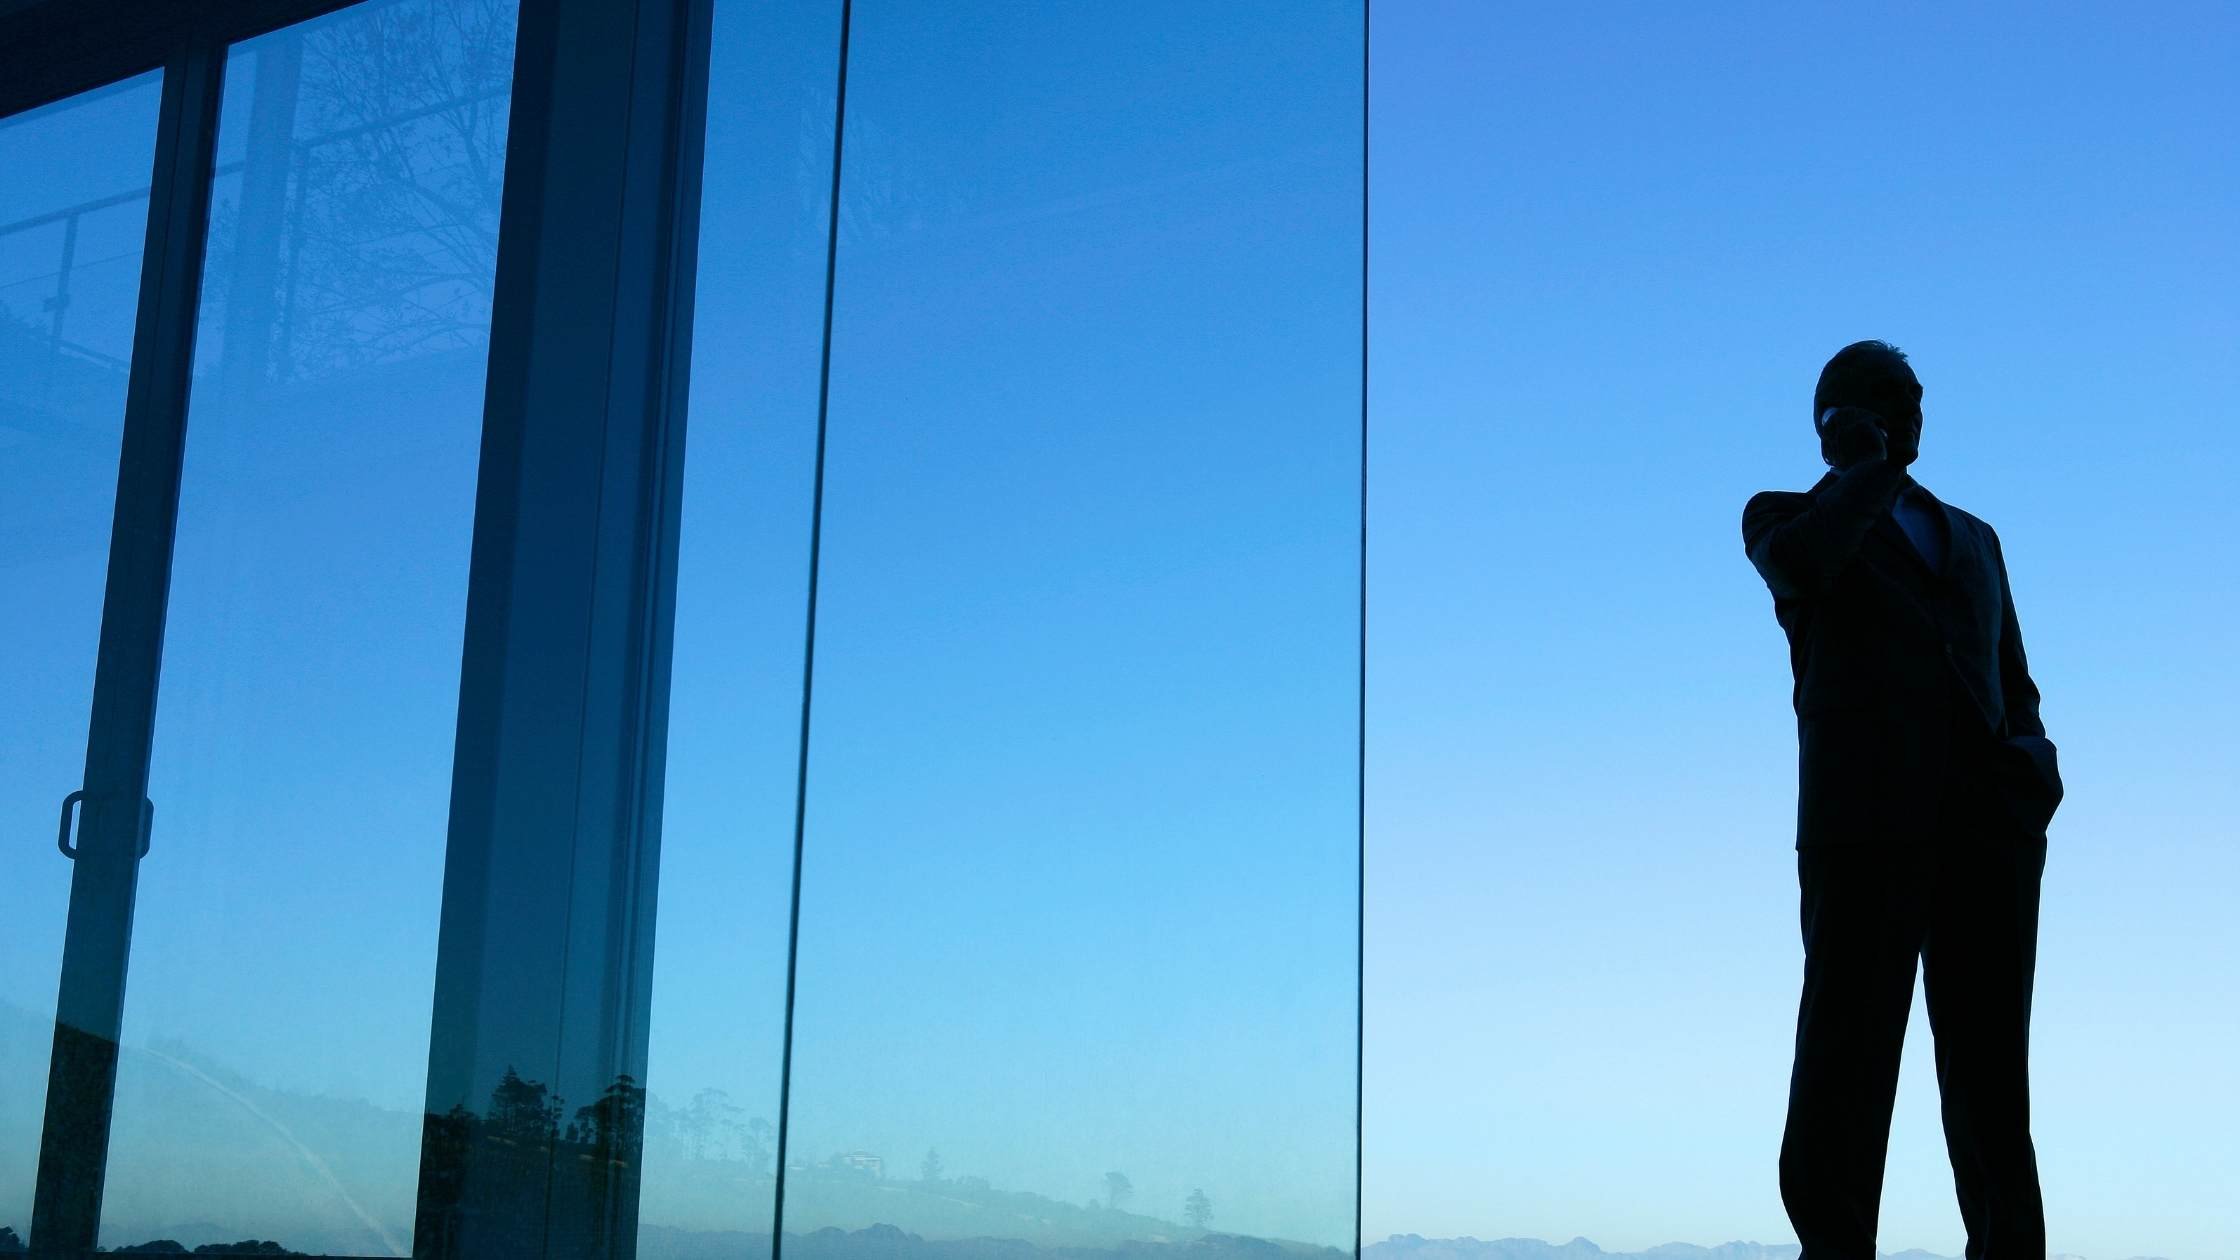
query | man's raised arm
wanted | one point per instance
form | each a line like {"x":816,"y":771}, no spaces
{"x":1800,"y":552}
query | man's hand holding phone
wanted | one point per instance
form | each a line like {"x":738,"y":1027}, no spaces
{"x":1852,"y":434}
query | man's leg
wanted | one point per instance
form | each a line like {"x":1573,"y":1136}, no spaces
{"x":1864,"y":911}
{"x":1979,"y":963}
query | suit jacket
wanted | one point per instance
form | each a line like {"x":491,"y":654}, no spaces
{"x":1908,"y":679}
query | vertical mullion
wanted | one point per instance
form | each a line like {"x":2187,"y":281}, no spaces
{"x":809,"y":634}
{"x":536,"y":1063}
{"x":1361,"y":672}
{"x":114,"y":818}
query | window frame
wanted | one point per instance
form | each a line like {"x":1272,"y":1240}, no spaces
{"x":556,"y":793}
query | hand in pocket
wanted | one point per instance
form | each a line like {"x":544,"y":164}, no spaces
{"x":2030,"y":777}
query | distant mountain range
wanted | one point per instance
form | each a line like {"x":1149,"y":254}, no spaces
{"x":1417,"y":1247}
{"x":885,"y":1242}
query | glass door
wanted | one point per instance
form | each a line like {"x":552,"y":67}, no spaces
{"x":73,"y":223}
{"x":289,"y":559}
{"x":275,"y":1035}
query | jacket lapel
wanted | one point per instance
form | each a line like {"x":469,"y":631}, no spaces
{"x":1896,"y":559}
{"x":1887,"y":527}
{"x":1893,"y":535}
{"x":1948,"y":535}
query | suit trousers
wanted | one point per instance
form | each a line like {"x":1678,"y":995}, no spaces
{"x":1960,"y":900}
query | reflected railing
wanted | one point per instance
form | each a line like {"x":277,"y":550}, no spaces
{"x":57,"y":302}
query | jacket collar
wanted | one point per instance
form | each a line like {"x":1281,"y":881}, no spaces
{"x":1886,"y":526}
{"x":1828,"y":478}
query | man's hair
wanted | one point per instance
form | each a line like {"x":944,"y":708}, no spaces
{"x":1841,"y":379}
{"x":1845,"y":372}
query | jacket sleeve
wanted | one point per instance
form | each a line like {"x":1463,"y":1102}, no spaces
{"x":1800,"y":552}
{"x":2014,"y":667}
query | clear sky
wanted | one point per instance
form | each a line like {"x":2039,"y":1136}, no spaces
{"x":1612,"y":248}
{"x":1079,"y":889}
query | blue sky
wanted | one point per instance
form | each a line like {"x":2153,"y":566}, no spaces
{"x":1611,"y":253}
{"x":1079,"y":888}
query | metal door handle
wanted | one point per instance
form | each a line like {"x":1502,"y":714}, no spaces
{"x":62,"y":837}
{"x":62,"y":841}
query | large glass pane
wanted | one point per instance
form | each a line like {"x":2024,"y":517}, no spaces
{"x":1077,"y":953}
{"x":73,"y":218}
{"x":1612,"y":257}
{"x":276,"y":1025}
{"x":742,"y":588}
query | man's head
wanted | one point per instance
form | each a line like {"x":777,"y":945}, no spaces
{"x":1873,"y":375}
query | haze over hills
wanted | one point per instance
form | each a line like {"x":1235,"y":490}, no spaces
{"x":1417,"y":1247}
{"x":886,"y":1242}
{"x":207,"y":1157}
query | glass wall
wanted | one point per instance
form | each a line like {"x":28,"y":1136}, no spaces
{"x":742,"y":591}
{"x":1611,"y":258}
{"x":73,"y":220}
{"x":1076,"y":956}
{"x":1077,"y":905}
{"x":276,"y":1024}
{"x":1076,"y":953}
{"x":1077,"y":937}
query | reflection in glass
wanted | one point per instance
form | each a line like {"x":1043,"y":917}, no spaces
{"x":73,"y":217}
{"x":276,"y":1023}
{"x":742,"y":583}
{"x":1077,"y":949}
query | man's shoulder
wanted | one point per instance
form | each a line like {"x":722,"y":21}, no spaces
{"x":1789,"y":499}
{"x":1765,"y":501}
{"x":1968,"y":516}
{"x":1969,"y":519}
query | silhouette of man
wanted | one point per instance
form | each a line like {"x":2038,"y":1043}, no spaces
{"x":1925,"y":783}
